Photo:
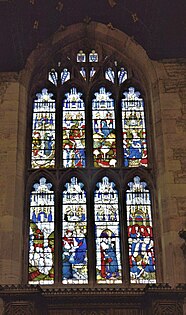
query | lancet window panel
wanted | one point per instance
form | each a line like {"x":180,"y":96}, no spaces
{"x":43,"y":130}
{"x":73,"y":128}
{"x":41,"y":233}
{"x":74,"y":234}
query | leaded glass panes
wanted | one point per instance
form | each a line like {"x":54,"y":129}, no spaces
{"x":140,"y":234}
{"x":41,"y":236}
{"x":65,"y":76}
{"x":81,"y":57}
{"x":134,"y":130}
{"x":83,"y":73}
{"x":103,"y":124}
{"x":74,"y":231}
{"x":122,"y":75}
{"x":93,"y":56}
{"x":43,"y":130}
{"x":110,"y":75}
{"x":59,"y":125}
{"x":53,"y":76}
{"x":107,"y":233}
{"x":73,"y":130}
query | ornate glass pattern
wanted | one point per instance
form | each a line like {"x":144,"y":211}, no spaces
{"x":65,"y":76}
{"x":110,"y":75}
{"x":122,"y":75}
{"x":74,"y":240}
{"x":107,"y":233}
{"x":53,"y":76}
{"x":83,"y":73}
{"x":103,"y":122}
{"x":140,"y":235}
{"x":43,"y":131}
{"x":73,"y":130}
{"x":134,"y":131}
{"x":93,"y":56}
{"x":92,"y":72}
{"x":41,"y":236}
{"x":81,"y":57}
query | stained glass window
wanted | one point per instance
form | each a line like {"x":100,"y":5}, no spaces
{"x":43,"y":130}
{"x":110,"y":75}
{"x":140,"y":233}
{"x":53,"y":76}
{"x":93,"y":56}
{"x":73,"y":130}
{"x":81,"y":57}
{"x":83,"y":73}
{"x":134,"y":131}
{"x":65,"y":76}
{"x":103,"y":122}
{"x":107,"y":233}
{"x":122,"y":75}
{"x":41,"y":236}
{"x":83,"y":131}
{"x":74,"y":231}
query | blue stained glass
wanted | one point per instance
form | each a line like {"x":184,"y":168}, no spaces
{"x":74,"y":239}
{"x":110,"y":75}
{"x":83,"y":73}
{"x":53,"y":76}
{"x":43,"y":131}
{"x":122,"y":75}
{"x":93,"y":56}
{"x":41,"y":236}
{"x":81,"y":57}
{"x":108,"y":260}
{"x":134,"y":130}
{"x":65,"y":76}
{"x":92,"y":72}
{"x":73,"y":130}
{"x":103,"y":122}
{"x":140,"y":233}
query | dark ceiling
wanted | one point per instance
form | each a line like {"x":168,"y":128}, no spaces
{"x":158,"y":25}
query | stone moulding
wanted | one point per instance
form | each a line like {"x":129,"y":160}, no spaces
{"x":147,"y":300}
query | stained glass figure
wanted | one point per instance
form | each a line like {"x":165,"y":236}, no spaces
{"x":43,"y":131}
{"x":74,"y":239}
{"x":73,"y":130}
{"x":41,"y":236}
{"x":53,"y":76}
{"x":140,"y":233}
{"x":110,"y":75}
{"x":83,"y":73}
{"x":93,"y":56}
{"x":134,"y":130}
{"x":81,"y":57}
{"x":122,"y":75}
{"x":103,"y":122}
{"x":107,"y":236}
{"x":65,"y":76}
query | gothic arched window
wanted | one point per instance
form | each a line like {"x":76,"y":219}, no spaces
{"x":90,"y":191}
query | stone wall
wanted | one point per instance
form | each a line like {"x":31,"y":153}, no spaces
{"x":166,"y":85}
{"x":12,"y":164}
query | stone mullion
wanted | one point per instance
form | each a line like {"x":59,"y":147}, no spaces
{"x":123,"y":235}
